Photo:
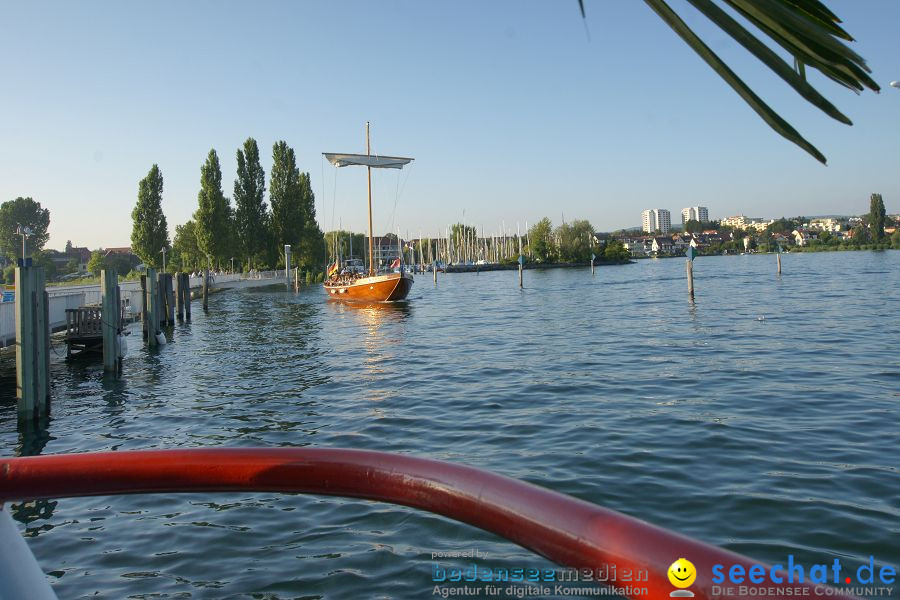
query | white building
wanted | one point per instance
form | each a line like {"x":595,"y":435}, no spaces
{"x":656,"y":219}
{"x":694,"y":213}
{"x":737,"y":221}
{"x":826,"y":224}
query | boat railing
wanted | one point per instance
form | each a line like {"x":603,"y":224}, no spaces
{"x":566,"y":530}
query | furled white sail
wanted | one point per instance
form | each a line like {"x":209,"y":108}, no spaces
{"x":367,"y":160}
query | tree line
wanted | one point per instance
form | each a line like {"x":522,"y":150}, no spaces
{"x":252,"y":231}
{"x":571,"y":242}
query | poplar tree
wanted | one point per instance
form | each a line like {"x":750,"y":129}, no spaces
{"x":149,"y":232}
{"x":876,"y":217}
{"x":285,"y":196}
{"x":312,"y":248}
{"x":250,"y":206}
{"x":186,"y":251}
{"x":213,"y":216}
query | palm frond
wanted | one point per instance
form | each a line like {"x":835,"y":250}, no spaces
{"x":806,"y":29}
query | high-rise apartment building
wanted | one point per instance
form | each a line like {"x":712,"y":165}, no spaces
{"x":654,"y":219}
{"x":694,"y":213}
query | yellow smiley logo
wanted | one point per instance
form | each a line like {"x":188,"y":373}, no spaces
{"x":682,"y":573}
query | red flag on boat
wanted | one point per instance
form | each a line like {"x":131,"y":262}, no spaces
{"x":396,"y":263}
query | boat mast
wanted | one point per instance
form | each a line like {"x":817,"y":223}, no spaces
{"x":371,"y":241}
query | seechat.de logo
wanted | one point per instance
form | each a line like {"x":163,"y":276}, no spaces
{"x":682,"y":574}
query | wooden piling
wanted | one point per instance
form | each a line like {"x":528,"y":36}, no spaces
{"x":778,"y":258}
{"x":206,"y":289}
{"x":186,"y":295}
{"x":153,"y":309}
{"x":296,"y":279}
{"x":689,"y":266}
{"x":110,"y":313}
{"x":144,"y":308}
{"x":179,"y":296}
{"x":434,"y":271}
{"x":592,"y":266}
{"x":161,"y":312}
{"x":169,"y":294}
{"x":521,"y":268}
{"x":287,"y":264}
{"x":32,"y":344}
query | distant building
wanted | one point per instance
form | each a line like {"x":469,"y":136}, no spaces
{"x":826,"y":224}
{"x":802,"y":237}
{"x":386,"y":248}
{"x":694,"y":213}
{"x":638,"y":247}
{"x":738,"y":221}
{"x":656,"y":219}
{"x":759,"y":226}
{"x":662,"y":245}
{"x":128,"y":259}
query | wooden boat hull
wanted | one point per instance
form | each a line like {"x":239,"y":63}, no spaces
{"x":388,"y":287}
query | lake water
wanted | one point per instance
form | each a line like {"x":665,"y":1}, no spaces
{"x":763,"y":417}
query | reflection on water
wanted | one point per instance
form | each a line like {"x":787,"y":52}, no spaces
{"x":376,"y":325}
{"x":748,"y":418}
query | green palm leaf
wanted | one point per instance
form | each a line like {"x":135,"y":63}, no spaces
{"x":806,"y":29}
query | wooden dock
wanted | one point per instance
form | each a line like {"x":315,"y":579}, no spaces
{"x":84,"y":330}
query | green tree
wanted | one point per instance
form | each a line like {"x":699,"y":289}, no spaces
{"x":42,"y":258}
{"x":616,"y":250}
{"x":9,"y":274}
{"x":783,"y":225}
{"x":150,"y":232}
{"x":861,"y":234}
{"x":310,"y":249}
{"x":341,"y":241}
{"x":540,"y":240}
{"x":97,"y":262}
{"x":28,"y":213}
{"x":250,"y":207}
{"x":876,"y":217}
{"x":71,"y":266}
{"x":286,"y":196}
{"x":895,"y":240}
{"x":575,"y":241}
{"x":186,"y":250}
{"x":460,"y":236}
{"x":213,"y":216}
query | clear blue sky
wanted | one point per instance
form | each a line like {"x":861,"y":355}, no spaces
{"x":511,"y":109}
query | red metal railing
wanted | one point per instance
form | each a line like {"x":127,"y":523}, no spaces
{"x":568,"y":531}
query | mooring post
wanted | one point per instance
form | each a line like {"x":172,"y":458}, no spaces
{"x":287,"y":264}
{"x":778,"y":259}
{"x":186,"y":299}
{"x":690,"y":277}
{"x":521,"y":257}
{"x":152,"y":301}
{"x":110,"y":313}
{"x":592,"y":264}
{"x":161,"y":312}
{"x":170,"y":298}
{"x":296,"y":279}
{"x":206,"y":289}
{"x":179,"y":298}
{"x":144,"y":308}
{"x":434,"y":271}
{"x":170,"y":301}
{"x":32,"y":344}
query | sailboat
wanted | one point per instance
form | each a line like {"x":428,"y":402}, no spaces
{"x":372,"y":286}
